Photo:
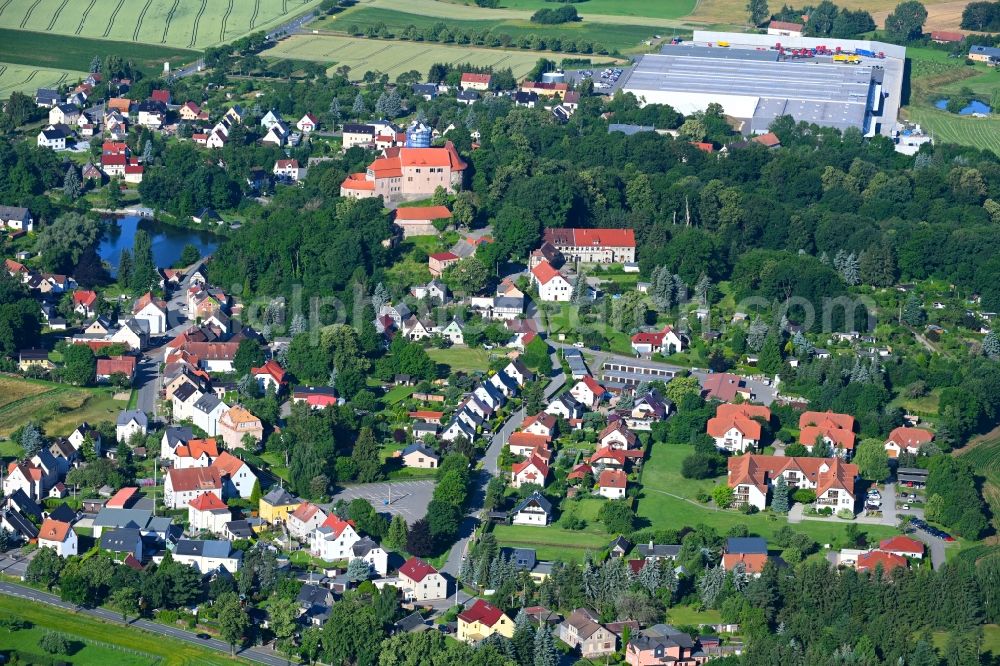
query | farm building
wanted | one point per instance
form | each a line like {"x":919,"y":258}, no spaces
{"x":756,"y":82}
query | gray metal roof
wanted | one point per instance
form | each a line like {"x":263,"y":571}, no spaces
{"x":120,"y":540}
{"x":123,"y":518}
{"x":756,"y":545}
{"x":128,"y":415}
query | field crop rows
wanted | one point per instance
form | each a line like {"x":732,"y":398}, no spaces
{"x":943,"y":126}
{"x":985,"y":460}
{"x":192,"y":24}
{"x":394,"y":58}
{"x":24,"y":78}
{"x":622,"y":37}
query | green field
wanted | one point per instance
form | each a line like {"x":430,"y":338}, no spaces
{"x":466,"y":359}
{"x":553,"y":542}
{"x":614,"y":36}
{"x":57,"y":407}
{"x":950,"y":128}
{"x":180,"y":23}
{"x":97,"y":643}
{"x":21,"y":78}
{"x":395,"y":57}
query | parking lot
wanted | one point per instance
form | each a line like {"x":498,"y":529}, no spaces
{"x":409,"y":498}
{"x":606,"y":81}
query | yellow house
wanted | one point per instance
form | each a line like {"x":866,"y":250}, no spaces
{"x":481,"y":620}
{"x":276,"y":505}
{"x":33,"y":358}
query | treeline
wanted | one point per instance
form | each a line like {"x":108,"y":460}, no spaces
{"x":564,"y":14}
{"x":441,"y":32}
{"x":981,"y":16}
{"x":827,"y":20}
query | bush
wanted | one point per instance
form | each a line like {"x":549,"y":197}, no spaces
{"x":804,"y":496}
{"x":54,"y":643}
{"x":564,"y":14}
{"x":702,"y":465}
{"x":845,"y":514}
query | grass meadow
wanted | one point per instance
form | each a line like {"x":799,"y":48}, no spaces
{"x":57,"y":407}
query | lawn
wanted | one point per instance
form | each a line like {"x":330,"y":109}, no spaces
{"x":663,"y":471}
{"x":465,"y":359}
{"x":950,"y":128}
{"x":187,"y":24}
{"x":688,"y":615}
{"x":553,"y":542}
{"x":97,"y":643}
{"x":58,"y":408}
{"x":620,"y":37}
{"x":991,"y":642}
{"x":397,"y":394}
{"x":395,"y":57}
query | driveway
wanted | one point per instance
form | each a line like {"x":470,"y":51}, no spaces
{"x":255,"y":654}
{"x":408,"y":499}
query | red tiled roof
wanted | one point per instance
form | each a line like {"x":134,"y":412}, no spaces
{"x":545,"y":419}
{"x":757,"y":470}
{"x":703,"y":146}
{"x":654,"y":338}
{"x":423,"y":213}
{"x":336,"y":524}
{"x":228,"y":463}
{"x":53,"y":530}
{"x":483,"y":612}
{"x":946,"y":36}
{"x":195,"y":448}
{"x":562,"y":237}
{"x":287,"y":164}
{"x":443,"y":256}
{"x":194,"y":478}
{"x":84,"y":297}
{"x":612,"y":478}
{"x":910,"y":437}
{"x":722,"y":386}
{"x":579,"y":471}
{"x":594,"y":387}
{"x":472,"y":77}
{"x":426,"y":414}
{"x":416,"y":569}
{"x":271,"y":368}
{"x":785,"y":25}
{"x":527,"y":439}
{"x":889,"y":561}
{"x":544,"y":272}
{"x":901,"y":544}
{"x":827,"y":419}
{"x":605,"y":452}
{"x":770,"y":140}
{"x":109,"y":366}
{"x":305,"y":511}
{"x":207,"y":502}
{"x":532,"y":461}
{"x":358,"y":181}
{"x":753,"y":562}
{"x":741,"y":417}
{"x":123,"y":498}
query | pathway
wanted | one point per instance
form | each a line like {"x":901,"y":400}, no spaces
{"x":255,"y":654}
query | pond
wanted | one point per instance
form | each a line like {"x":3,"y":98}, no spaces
{"x":974,"y":107}
{"x":168,"y":241}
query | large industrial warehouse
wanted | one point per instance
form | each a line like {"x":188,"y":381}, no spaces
{"x":755,"y":83}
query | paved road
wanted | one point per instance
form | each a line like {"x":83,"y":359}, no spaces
{"x":490,"y":469}
{"x":291,"y":27}
{"x":147,"y":382}
{"x":254,"y":654}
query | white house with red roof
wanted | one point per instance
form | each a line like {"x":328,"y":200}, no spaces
{"x":540,"y":424}
{"x":151,"y":309}
{"x":194,"y":453}
{"x":304,"y":520}
{"x":183,"y":485}
{"x":115,"y":365}
{"x":238,"y":479}
{"x":553,"y":287}
{"x":837,"y":430}
{"x":735,"y":428}
{"x":268,"y":375}
{"x":85,"y":302}
{"x":289,"y":170}
{"x":907,"y":439}
{"x":59,"y":536}
{"x":588,"y":392}
{"x":533,"y":470}
{"x":664,"y":341}
{"x":612,"y":484}
{"x":750,"y":476}
{"x":593,"y":246}
{"x":209,"y":513}
{"x":903,"y":546}
{"x":408,"y":173}
{"x":438,"y":262}
{"x":307,"y":123}
{"x":617,"y":436}
{"x":333,"y":539}
{"x":475,"y":81}
{"x":420,"y":581}
{"x":27,"y":478}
